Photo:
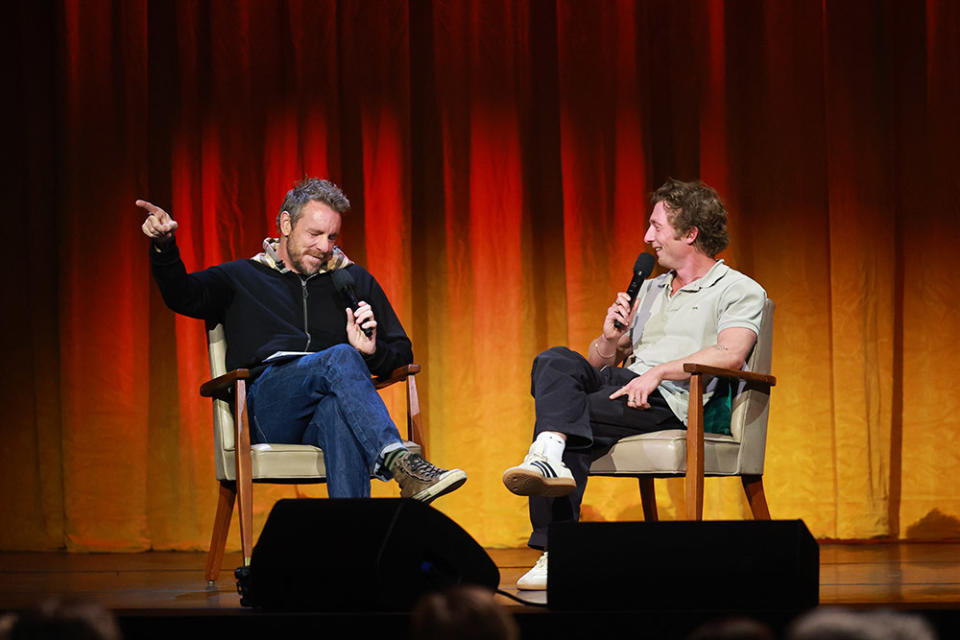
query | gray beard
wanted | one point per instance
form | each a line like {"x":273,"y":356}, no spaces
{"x":302,"y":270}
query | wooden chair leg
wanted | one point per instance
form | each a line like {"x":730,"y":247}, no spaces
{"x":244,"y":470}
{"x":414,"y":421}
{"x":695,"y":451}
{"x":221,"y":527}
{"x":648,"y":499}
{"x":753,"y":487}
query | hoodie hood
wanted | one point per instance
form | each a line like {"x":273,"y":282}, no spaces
{"x":270,"y":257}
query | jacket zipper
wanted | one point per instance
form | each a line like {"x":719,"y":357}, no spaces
{"x":306,"y":325}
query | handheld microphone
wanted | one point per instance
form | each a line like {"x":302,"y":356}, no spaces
{"x":346,"y":287}
{"x":641,"y":269}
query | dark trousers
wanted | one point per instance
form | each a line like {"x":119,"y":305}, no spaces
{"x":572,"y":397}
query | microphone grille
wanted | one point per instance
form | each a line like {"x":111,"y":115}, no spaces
{"x":342,"y":280}
{"x":644,"y":264}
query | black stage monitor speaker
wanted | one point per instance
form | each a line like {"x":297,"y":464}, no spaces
{"x":743,"y":565}
{"x":359,"y":555}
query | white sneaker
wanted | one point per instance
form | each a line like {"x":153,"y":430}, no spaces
{"x":536,"y":578}
{"x":539,"y":476}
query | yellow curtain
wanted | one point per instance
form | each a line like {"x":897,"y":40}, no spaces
{"x":499,"y":156}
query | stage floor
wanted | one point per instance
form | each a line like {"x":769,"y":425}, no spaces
{"x":895,"y":575}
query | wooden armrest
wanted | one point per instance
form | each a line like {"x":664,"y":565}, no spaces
{"x":220,"y":384}
{"x":762,"y":378}
{"x":398,"y":374}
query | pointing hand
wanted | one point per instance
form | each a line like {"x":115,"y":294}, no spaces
{"x":158,"y":226}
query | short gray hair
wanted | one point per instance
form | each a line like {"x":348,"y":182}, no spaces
{"x":312,"y":189}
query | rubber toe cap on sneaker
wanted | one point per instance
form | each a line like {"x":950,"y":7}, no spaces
{"x":450,"y":481}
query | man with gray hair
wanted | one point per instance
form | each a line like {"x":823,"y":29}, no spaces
{"x":312,"y":351}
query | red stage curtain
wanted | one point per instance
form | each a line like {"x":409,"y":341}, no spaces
{"x":498,"y":155}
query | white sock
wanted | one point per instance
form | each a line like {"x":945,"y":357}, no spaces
{"x":550,"y":445}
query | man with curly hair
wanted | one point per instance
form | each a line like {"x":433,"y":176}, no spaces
{"x":699,"y":310}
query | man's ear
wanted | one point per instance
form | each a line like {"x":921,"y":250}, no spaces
{"x":285,"y":225}
{"x":691,"y":235}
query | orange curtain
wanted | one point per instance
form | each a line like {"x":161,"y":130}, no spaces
{"x":499,"y":155}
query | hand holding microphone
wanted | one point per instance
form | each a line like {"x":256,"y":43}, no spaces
{"x":620,"y":312}
{"x":359,"y":314}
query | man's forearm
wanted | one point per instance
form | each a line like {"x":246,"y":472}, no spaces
{"x":715,"y":356}
{"x":388,"y":356}
{"x":730,"y":352}
{"x":604,"y":351}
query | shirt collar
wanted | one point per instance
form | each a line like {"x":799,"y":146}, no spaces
{"x":710,"y":278}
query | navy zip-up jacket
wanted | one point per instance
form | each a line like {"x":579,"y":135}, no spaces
{"x":264,"y":310}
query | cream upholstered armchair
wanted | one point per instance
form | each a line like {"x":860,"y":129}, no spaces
{"x":239,"y":465}
{"x":695,"y":454}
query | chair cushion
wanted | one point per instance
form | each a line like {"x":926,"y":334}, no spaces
{"x":286,"y":462}
{"x":665,"y":452}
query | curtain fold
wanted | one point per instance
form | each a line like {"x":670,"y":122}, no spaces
{"x":499,"y":157}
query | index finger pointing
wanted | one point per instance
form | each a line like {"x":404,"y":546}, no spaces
{"x":619,"y":392}
{"x":149,"y":206}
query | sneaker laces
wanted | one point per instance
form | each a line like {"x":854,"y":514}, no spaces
{"x":421,"y":469}
{"x":542,"y":561}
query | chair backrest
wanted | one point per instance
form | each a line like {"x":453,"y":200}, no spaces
{"x":751,"y":404}
{"x":223,"y":440}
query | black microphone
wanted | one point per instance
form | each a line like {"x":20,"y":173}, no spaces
{"x":641,"y":269}
{"x":346,"y":287}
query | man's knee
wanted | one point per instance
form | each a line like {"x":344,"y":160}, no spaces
{"x":560,"y":360}
{"x":554,"y":355}
{"x":343,"y":350}
{"x":554,"y":364}
{"x":342,"y":354}
{"x":337,"y":362}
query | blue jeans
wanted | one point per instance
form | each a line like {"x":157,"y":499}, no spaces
{"x":327,"y":399}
